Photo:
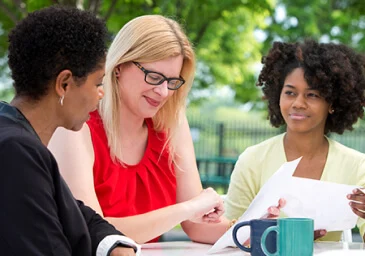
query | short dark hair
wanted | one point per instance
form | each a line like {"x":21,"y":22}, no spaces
{"x":50,"y":40}
{"x":335,"y":70}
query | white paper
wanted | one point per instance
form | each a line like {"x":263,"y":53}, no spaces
{"x":325,"y":202}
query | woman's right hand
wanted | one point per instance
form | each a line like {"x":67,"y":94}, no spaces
{"x":207,"y":207}
{"x":319,"y":233}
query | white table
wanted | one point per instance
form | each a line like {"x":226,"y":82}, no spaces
{"x":196,"y":249}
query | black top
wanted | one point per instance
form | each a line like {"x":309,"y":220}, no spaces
{"x":38,"y":214}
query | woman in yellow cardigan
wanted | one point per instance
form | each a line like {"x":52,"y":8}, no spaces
{"x":313,"y":89}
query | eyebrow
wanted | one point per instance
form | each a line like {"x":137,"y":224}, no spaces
{"x":159,"y":72}
{"x":293,"y":87}
{"x":290,"y":86}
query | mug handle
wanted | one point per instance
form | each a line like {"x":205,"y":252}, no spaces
{"x":263,"y":240}
{"x":234,"y":235}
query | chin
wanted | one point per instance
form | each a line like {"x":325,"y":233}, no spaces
{"x":76,"y":128}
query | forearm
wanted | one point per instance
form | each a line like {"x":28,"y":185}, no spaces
{"x":144,"y":227}
{"x":207,"y":233}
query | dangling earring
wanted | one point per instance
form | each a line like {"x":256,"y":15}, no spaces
{"x":61,"y":99}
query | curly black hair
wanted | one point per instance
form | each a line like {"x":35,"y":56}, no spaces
{"x":53,"y":39}
{"x":335,"y":70}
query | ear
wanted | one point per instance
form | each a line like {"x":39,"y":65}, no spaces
{"x":63,"y":81}
{"x":330,"y":109}
{"x":117,"y":71}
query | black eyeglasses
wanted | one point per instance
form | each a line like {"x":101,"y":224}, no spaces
{"x":156,"y":78}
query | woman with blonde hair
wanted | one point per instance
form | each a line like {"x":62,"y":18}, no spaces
{"x":145,"y":179}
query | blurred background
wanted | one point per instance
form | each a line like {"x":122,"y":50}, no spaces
{"x":225,"y":109}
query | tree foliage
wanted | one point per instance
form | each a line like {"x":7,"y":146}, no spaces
{"x":221,"y":31}
{"x":325,"y":20}
{"x":224,"y":33}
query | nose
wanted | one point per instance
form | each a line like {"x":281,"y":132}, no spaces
{"x":100,"y":92}
{"x":300,"y":102}
{"x":162,"y":89}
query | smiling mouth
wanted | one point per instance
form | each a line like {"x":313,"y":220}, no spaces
{"x":298,"y":116}
{"x":152,"y":102}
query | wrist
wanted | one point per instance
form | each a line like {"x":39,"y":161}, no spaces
{"x":231,"y":223}
{"x":187,"y":210}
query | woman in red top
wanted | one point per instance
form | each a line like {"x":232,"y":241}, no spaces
{"x":145,"y":179}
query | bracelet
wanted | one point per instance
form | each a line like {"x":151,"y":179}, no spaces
{"x":231,"y":223}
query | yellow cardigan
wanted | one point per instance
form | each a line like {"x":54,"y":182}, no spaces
{"x":257,"y":163}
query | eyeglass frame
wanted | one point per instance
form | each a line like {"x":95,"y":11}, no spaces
{"x":146,"y":72}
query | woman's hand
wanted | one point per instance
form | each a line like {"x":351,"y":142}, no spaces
{"x":207,"y":207}
{"x":357,"y":203}
{"x":319,"y":233}
{"x":273,"y":212}
{"x":122,"y":251}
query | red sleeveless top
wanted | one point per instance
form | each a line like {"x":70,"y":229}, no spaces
{"x":132,"y":189}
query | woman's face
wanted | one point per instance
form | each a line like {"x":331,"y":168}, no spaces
{"x":139,"y":98}
{"x":302,"y":108}
{"x":81,"y":99}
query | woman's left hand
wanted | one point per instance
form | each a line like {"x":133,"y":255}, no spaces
{"x":273,"y":212}
{"x":357,"y":203}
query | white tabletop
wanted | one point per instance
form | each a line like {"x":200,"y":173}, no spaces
{"x":196,"y":249}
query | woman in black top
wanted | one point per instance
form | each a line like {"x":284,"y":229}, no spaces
{"x":56,"y":56}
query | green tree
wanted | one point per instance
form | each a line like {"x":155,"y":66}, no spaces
{"x":221,"y":31}
{"x":333,"y":20}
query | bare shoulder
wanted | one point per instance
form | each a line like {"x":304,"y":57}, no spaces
{"x":63,"y":138}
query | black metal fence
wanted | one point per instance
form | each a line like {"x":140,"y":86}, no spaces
{"x":218,"y":144}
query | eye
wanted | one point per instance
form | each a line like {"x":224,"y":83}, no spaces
{"x":313,"y":95}
{"x":289,"y":93}
{"x":154,"y":77}
{"x":174,"y":82}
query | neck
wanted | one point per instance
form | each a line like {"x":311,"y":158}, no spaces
{"x":40,"y":115}
{"x":305,"y":144}
{"x":131,"y":125}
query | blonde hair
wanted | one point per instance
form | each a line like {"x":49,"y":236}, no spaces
{"x":147,"y":38}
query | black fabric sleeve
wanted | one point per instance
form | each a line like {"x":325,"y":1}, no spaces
{"x":38,"y":214}
{"x":29,"y":221}
{"x":98,"y":227}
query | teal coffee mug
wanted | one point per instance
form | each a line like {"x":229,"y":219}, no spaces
{"x":294,"y":237}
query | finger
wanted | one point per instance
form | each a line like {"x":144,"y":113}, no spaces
{"x":219,"y":209}
{"x":211,"y":220}
{"x":358,"y":191}
{"x":274,"y":211}
{"x":212,"y":216}
{"x":358,"y":213}
{"x":319,"y":233}
{"x":282,"y":203}
{"x":356,"y":197}
{"x":358,"y":205}
{"x":247,"y":242}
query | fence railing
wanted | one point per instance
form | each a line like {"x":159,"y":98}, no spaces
{"x":218,"y":144}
